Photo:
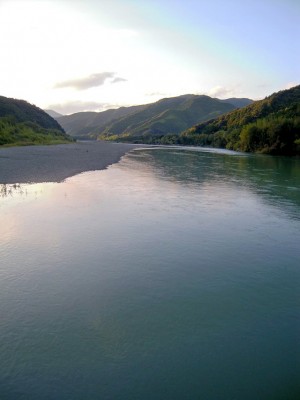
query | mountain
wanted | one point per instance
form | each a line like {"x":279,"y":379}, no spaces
{"x":139,"y":123}
{"x":85,"y":124}
{"x":238,"y":102}
{"x":53,"y":114}
{"x":166,"y":116}
{"x":24,"y":123}
{"x":23,"y":111}
{"x":269,"y":126}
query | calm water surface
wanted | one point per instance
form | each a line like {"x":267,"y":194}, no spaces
{"x":172,"y":275}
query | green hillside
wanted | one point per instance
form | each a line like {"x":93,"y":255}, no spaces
{"x":89,"y":124}
{"x":22,"y":123}
{"x":238,"y":102}
{"x":270,"y":126}
{"x":166,"y":116}
{"x":147,"y":122}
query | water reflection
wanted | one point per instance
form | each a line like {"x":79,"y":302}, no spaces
{"x":162,"y":273}
{"x":275,"y":179}
{"x":10,"y":190}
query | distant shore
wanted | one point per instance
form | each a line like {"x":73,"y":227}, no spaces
{"x":58,"y":162}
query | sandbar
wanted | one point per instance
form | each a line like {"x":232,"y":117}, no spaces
{"x":55,"y":163}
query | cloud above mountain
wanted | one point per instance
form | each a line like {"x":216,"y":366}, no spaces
{"x":220,"y":91}
{"x":93,"y":80}
{"x":79,"y":106}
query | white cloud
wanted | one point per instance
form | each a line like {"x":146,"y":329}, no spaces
{"x":71,"y":107}
{"x":90,"y":81}
{"x":118,"y":79}
{"x":220,"y":92}
{"x":156,"y":94}
{"x":54,"y":52}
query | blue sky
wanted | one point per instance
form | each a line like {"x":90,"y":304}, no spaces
{"x":93,"y":55}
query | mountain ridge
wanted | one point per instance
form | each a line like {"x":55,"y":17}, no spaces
{"x":271,"y":125}
{"x":24,"y":123}
{"x":54,"y":114}
{"x":23,"y":111}
{"x":87,"y":123}
{"x":167,"y":115}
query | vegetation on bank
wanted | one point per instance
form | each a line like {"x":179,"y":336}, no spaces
{"x":270,"y":126}
{"x":23,"y":111}
{"x":24,"y":124}
{"x":14,"y":133}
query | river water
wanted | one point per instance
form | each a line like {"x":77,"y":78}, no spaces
{"x":173,"y":274}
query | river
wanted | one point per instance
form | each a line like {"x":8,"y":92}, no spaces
{"x":173,"y":274}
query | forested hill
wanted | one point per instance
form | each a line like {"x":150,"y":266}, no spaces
{"x":238,"y":102}
{"x":89,"y":123}
{"x":169,"y":115}
{"x":270,"y":126}
{"x":22,"y":111}
{"x":24,"y":123}
{"x":142,"y":122}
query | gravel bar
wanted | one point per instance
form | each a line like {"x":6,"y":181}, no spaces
{"x":57,"y":162}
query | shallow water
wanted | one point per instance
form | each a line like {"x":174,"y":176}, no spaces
{"x":172,"y":275}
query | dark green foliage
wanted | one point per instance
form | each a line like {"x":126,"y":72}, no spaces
{"x":275,"y":134}
{"x":28,"y":133}
{"x":23,"y":111}
{"x":270,"y":126}
{"x":22,"y":124}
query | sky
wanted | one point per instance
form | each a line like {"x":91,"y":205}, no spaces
{"x":89,"y":55}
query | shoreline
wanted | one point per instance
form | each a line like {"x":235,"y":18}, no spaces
{"x":55,"y":163}
{"x":37,"y":164}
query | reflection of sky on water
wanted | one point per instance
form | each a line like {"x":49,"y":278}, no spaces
{"x":145,"y":269}
{"x":218,"y":186}
{"x":274,"y":179}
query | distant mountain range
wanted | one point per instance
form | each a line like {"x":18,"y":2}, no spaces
{"x":53,"y":114}
{"x":167,"y":116}
{"x":238,"y":102}
{"x":269,"y":126}
{"x":90,"y":124}
{"x":23,"y":123}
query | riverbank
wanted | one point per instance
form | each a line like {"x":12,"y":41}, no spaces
{"x":56,"y":163}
